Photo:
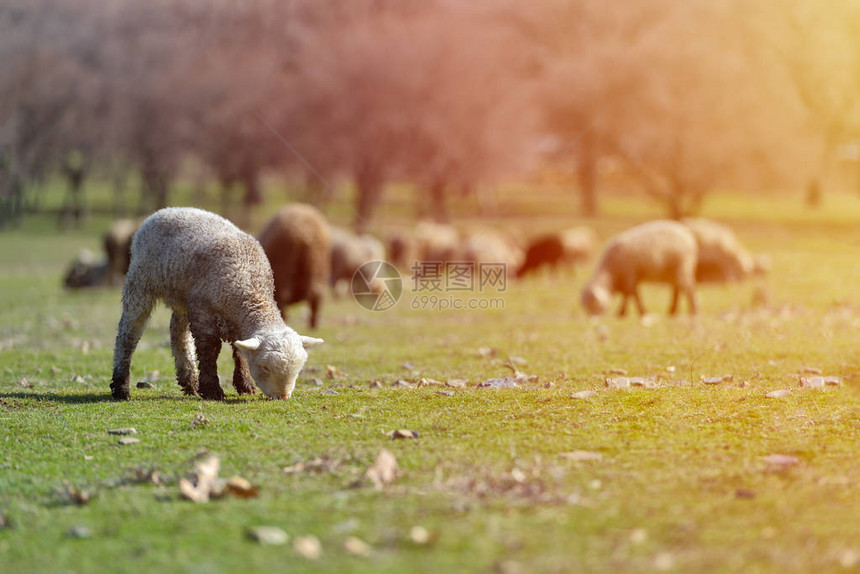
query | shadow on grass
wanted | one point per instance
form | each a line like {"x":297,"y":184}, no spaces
{"x":87,"y":398}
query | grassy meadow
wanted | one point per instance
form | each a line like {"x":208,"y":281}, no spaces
{"x":682,"y":482}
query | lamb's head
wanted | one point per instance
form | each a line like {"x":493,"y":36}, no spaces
{"x":275,"y":359}
{"x":595,"y":299}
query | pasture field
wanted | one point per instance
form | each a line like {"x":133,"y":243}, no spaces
{"x":682,"y":482}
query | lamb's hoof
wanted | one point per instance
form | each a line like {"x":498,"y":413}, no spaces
{"x":215,"y":394}
{"x":120,"y":393}
{"x":243,"y":387}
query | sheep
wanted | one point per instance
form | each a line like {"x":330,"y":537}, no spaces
{"x":117,"y":244}
{"x":296,"y":241}
{"x":490,"y":246}
{"x":568,"y":247}
{"x":658,"y":251}
{"x":722,"y":258}
{"x":219,"y":285}
{"x":436,"y":242}
{"x":85,"y":271}
{"x":349,"y":252}
{"x":401,"y":249}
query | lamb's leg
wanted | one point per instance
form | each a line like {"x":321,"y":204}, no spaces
{"x":315,"y":302}
{"x":622,"y":311}
{"x":691,"y":300}
{"x":136,"y":307}
{"x":676,"y":295}
{"x":639,"y":306}
{"x":182,"y":345}
{"x":241,"y":376}
{"x":208,"y":348}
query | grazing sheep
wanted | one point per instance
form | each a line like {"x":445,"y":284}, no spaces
{"x":401,"y":249}
{"x":490,"y":246}
{"x":85,"y":271}
{"x":349,"y":252}
{"x":722,"y":258}
{"x":436,"y":242}
{"x":117,"y":244}
{"x":659,"y":251}
{"x":219,"y":284}
{"x":568,"y":247}
{"x":296,"y":241}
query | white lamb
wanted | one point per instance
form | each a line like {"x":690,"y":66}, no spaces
{"x":658,"y":251}
{"x":219,"y":284}
{"x":722,"y":258}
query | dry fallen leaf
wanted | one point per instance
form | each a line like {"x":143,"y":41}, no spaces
{"x":270,"y":535}
{"x":780,"y":462}
{"x":403,"y":433}
{"x":127,"y":440}
{"x":241,"y":488}
{"x":384,"y":470}
{"x":425,"y":382}
{"x":206,"y":475}
{"x":617,"y":382}
{"x":487,"y":352}
{"x":581,"y":455}
{"x":123,"y":431}
{"x":333,"y":372}
{"x":583,"y":394}
{"x":308,"y":547}
{"x":621,"y":372}
{"x":780,"y":394}
{"x":501,"y":383}
{"x":419,"y":535}
{"x":810,"y":371}
{"x":72,"y":494}
{"x":357,"y":546}
{"x":319,"y":464}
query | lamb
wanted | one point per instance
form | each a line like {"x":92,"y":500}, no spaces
{"x":349,"y":252}
{"x":401,"y":249}
{"x":85,"y":271}
{"x":567,"y":247}
{"x":219,"y":285}
{"x":491,"y":246}
{"x":296,"y":241}
{"x":658,"y":251}
{"x":436,"y":242}
{"x":722,"y":258}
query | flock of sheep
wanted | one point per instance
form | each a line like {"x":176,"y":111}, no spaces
{"x":224,"y":285}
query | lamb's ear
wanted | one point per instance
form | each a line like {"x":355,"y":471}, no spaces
{"x":251,"y":344}
{"x":310,"y":342}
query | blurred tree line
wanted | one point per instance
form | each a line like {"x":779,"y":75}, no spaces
{"x":682,"y":96}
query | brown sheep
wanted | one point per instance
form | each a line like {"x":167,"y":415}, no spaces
{"x":297,"y":242}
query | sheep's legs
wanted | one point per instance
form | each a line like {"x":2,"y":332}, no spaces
{"x":676,"y":295}
{"x":182,"y":345}
{"x":690,"y":294}
{"x":241,"y":376}
{"x":639,"y":306}
{"x":315,"y":302}
{"x":208,"y":348}
{"x":136,"y":307}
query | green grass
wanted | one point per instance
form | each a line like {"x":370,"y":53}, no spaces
{"x":683,"y":462}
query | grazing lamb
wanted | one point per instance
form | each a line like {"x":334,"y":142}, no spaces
{"x":436,"y":242}
{"x":722,"y":258}
{"x":117,"y":244}
{"x":85,"y":271}
{"x":659,"y":251}
{"x":490,"y":246}
{"x":568,"y":247}
{"x":296,"y":241}
{"x":401,"y":250}
{"x":219,"y":284}
{"x":349,"y":252}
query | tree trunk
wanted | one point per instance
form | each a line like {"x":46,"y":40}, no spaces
{"x":74,"y":209}
{"x":438,"y":203}
{"x":587,"y":175}
{"x":155,"y":188}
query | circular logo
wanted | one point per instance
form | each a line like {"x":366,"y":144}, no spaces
{"x":377,"y":286}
